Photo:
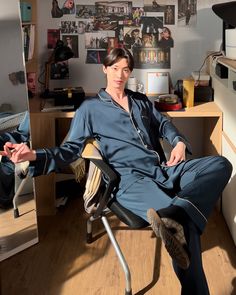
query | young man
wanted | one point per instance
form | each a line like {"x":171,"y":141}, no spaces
{"x":175,"y":196}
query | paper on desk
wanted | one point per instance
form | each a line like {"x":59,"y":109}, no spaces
{"x":50,"y":107}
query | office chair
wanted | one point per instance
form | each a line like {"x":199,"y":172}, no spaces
{"x":99,"y":199}
{"x":21,"y":178}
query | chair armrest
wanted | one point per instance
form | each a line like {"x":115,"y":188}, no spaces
{"x":112,"y":179}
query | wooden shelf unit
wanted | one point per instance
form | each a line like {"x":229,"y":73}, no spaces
{"x":231,"y":67}
{"x":225,"y":97}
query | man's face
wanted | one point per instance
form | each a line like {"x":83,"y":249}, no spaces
{"x":135,"y":35}
{"x":31,"y":82}
{"x":117,"y":74}
{"x":165,"y":34}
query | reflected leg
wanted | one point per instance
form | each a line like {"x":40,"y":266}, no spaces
{"x":7,"y":184}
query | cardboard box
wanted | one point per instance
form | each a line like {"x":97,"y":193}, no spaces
{"x":201,"y":78}
{"x":188,"y":92}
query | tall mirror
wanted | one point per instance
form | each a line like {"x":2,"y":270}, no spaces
{"x":17,"y":231}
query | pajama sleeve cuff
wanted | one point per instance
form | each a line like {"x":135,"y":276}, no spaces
{"x":37,"y":167}
{"x":188,"y":146}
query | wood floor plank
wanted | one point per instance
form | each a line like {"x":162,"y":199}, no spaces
{"x":63,"y":264}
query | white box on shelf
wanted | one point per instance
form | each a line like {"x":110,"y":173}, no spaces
{"x":201,"y":76}
{"x":230,"y":46}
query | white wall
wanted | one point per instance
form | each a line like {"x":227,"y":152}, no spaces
{"x":11,"y":56}
{"x":191,"y":46}
{"x":225,"y":97}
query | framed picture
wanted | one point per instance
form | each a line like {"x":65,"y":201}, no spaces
{"x":157,"y":83}
{"x":151,"y":58}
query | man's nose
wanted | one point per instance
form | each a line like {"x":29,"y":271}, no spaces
{"x":119,"y":73}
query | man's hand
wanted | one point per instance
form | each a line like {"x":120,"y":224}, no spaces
{"x":177,"y":154}
{"x":18,"y":153}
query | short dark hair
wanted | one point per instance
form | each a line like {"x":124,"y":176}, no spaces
{"x":116,"y":54}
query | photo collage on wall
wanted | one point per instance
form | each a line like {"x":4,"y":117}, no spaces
{"x":144,"y":30}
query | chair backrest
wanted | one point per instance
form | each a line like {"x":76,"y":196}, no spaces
{"x":94,"y":175}
{"x":96,"y":200}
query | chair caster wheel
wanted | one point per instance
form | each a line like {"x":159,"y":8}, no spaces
{"x":16,"y":213}
{"x":89,"y":238}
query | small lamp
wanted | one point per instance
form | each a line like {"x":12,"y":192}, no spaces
{"x":226,"y":11}
{"x":61,"y":52}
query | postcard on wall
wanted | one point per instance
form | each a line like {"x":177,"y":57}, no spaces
{"x":98,"y":40}
{"x":187,"y":13}
{"x":67,"y":6}
{"x":115,"y":9}
{"x":72,"y":41}
{"x":62,"y":7}
{"x":95,"y":56}
{"x":69,"y":27}
{"x":85,"y":11}
{"x":53,"y":37}
{"x":151,"y":58}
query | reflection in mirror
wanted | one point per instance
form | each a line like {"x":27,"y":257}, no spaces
{"x":16,"y":232}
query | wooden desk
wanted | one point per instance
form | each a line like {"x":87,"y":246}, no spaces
{"x":43,"y":133}
{"x":43,"y":126}
{"x":211,"y":115}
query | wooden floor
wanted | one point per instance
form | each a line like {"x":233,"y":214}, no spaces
{"x":18,"y":233}
{"x":63,"y":264}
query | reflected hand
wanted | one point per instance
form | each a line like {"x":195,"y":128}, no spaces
{"x":18,"y":152}
{"x":177,"y":154}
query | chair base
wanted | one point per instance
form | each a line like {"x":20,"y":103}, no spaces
{"x":89,"y":238}
{"x":16,"y":213}
{"x":125,"y":267}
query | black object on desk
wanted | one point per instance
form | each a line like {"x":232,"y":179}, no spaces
{"x":71,"y":96}
{"x":201,"y":93}
{"x":221,"y":71}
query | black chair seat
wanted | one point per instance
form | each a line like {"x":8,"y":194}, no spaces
{"x":129,"y":218}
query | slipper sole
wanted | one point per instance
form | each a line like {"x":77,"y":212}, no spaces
{"x":173,"y":246}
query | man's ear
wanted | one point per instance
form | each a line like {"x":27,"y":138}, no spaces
{"x":104,"y":69}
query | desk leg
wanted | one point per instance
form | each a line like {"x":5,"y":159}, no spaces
{"x":45,"y":194}
{"x":43,"y":135}
{"x":212,"y":136}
